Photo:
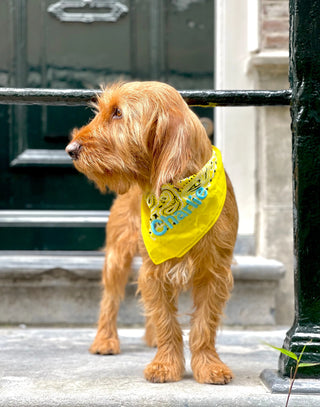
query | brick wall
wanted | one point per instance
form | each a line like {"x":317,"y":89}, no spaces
{"x":274,"y":24}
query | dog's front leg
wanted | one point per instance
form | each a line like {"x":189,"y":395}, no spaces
{"x":160,"y":303}
{"x":150,"y":333}
{"x":210,"y":293}
{"x":114,"y":280}
{"x":122,"y":238}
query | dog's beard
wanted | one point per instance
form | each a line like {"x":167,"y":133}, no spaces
{"x":104,"y":179}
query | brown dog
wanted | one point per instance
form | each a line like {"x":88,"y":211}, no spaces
{"x":145,"y":143}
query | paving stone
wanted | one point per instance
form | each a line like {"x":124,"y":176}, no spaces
{"x":52,"y":367}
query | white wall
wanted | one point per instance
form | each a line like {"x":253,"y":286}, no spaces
{"x":236,"y":38}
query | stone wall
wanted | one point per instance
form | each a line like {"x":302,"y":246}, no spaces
{"x":274,"y":185}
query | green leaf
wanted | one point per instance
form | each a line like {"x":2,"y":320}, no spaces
{"x":284,"y":351}
{"x":308,"y":364}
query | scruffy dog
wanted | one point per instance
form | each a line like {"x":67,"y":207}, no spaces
{"x":176,"y":207}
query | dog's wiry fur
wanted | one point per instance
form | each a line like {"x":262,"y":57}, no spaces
{"x":143,"y":136}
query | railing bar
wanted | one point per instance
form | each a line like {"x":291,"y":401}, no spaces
{"x":237,"y":97}
{"x":204,"y":98}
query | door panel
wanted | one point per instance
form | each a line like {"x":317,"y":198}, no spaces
{"x":74,"y":44}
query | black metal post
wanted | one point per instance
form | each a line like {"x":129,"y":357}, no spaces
{"x":305,"y":112}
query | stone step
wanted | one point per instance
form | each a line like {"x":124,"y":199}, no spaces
{"x":50,"y":367}
{"x":49,"y":288}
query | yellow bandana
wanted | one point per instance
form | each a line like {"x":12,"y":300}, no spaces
{"x":172,"y":224}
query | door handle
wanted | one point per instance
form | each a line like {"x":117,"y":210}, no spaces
{"x":88,"y":11}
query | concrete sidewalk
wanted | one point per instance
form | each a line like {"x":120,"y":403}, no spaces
{"x":52,"y":367}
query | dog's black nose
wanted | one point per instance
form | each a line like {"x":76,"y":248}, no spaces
{"x":73,"y":149}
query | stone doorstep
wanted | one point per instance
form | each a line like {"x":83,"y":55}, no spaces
{"x":64,"y":288}
{"x":51,"y":367}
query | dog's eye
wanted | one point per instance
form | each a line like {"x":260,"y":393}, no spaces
{"x":117,"y":114}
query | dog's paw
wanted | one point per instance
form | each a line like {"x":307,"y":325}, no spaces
{"x":157,"y":372}
{"x":105,"y":346}
{"x":213,"y":373}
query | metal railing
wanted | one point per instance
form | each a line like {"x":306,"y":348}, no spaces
{"x":203,"y":98}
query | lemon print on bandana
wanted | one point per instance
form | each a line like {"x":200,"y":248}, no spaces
{"x":175,"y":221}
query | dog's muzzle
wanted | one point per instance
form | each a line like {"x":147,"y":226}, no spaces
{"x":73,"y":149}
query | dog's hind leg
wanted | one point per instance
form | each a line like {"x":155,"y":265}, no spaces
{"x":122,"y":236}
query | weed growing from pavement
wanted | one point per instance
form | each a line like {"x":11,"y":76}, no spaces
{"x":298,"y":365}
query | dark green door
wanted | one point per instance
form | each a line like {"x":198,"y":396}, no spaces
{"x":44,"y":203}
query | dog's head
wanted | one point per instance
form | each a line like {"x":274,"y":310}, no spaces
{"x":143,"y":133}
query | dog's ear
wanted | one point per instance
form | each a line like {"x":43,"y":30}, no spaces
{"x":170,"y":147}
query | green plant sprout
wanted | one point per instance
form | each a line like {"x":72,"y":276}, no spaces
{"x":298,"y":364}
